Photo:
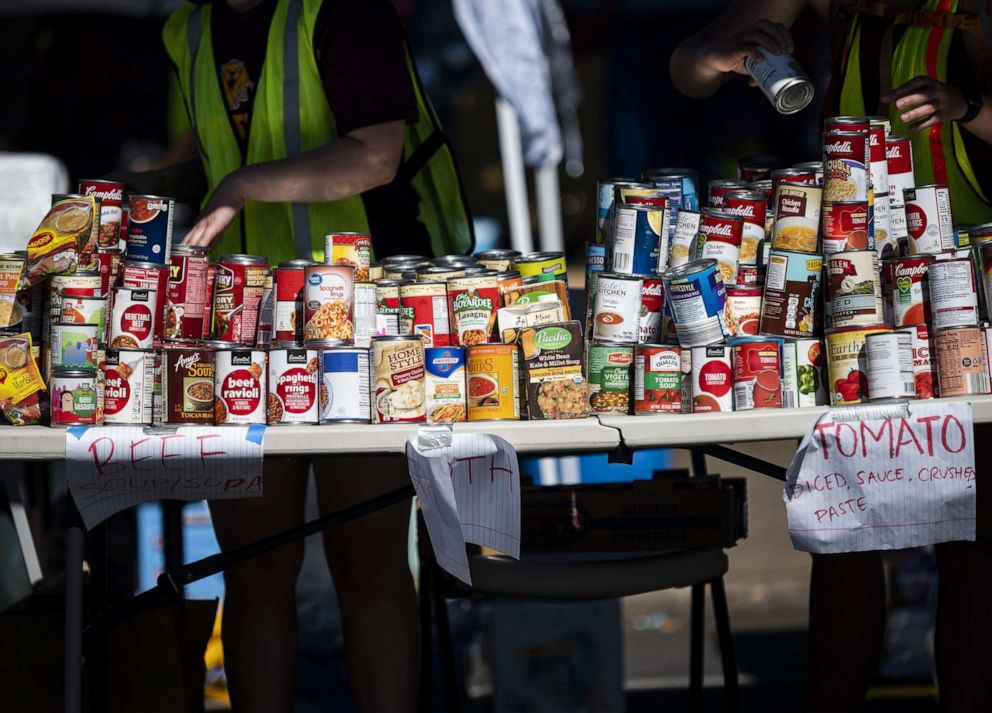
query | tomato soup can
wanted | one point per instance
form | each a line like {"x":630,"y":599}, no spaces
{"x":854,"y":288}
{"x":791,"y":294}
{"x":74,"y":346}
{"x":289,"y":280}
{"x":129,"y":378}
{"x":797,"y":218}
{"x":928,"y":219}
{"x":444,"y":384}
{"x":757,"y":373}
{"x":388,"y":308}
{"x":186,"y":293}
{"x":640,"y":237}
{"x":952,"y":293}
{"x":186,"y":376}
{"x":492,"y":374}
{"x":696,"y":295}
{"x":149,"y":229}
{"x":350,"y":249}
{"x":542,"y":263}
{"x":910,"y":289}
{"x":111,"y":195}
{"x":719,"y":188}
{"x":847,"y":363}
{"x":292,"y":381}
{"x":810,"y":375}
{"x":845,"y":227}
{"x":712,"y":379}
{"x":845,"y":166}
{"x":652,"y":309}
{"x":890,"y":366}
{"x":743,"y":310}
{"x":398,"y":380}
{"x":343,"y":382}
{"x":683,"y":248}
{"x":149,"y":276}
{"x":472,"y":302}
{"x":719,"y":239}
{"x":133,"y":318}
{"x":328,"y":302}
{"x":240,"y":386}
{"x":657,"y":379}
{"x":752,"y":207}
{"x":74,"y":397}
{"x":962,"y":361}
{"x":609,"y":376}
{"x":85,"y":310}
{"x":617,"y":308}
{"x":238,"y":291}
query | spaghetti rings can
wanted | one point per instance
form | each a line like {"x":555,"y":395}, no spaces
{"x":292,"y":396}
{"x":328,"y":302}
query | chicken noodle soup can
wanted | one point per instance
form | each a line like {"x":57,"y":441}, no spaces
{"x":398,"y":380}
{"x":791,"y":294}
{"x":657,"y":379}
{"x":683,"y":247}
{"x":757,"y":373}
{"x":797,"y":217}
{"x":847,"y":363}
{"x":344,"y":388}
{"x":328,"y":302}
{"x":640,"y":238}
{"x":719,"y":238}
{"x":962,"y":361}
{"x":186,"y":293}
{"x":289,"y":282}
{"x":782,"y":80}
{"x":617,"y":308}
{"x":854,"y":288}
{"x":75,"y":395}
{"x":472,"y":304}
{"x":133,"y":319}
{"x":187,"y":385}
{"x":953,"y":293}
{"x":751,"y":206}
{"x":292,"y":379}
{"x":492,"y":374}
{"x":712,"y":379}
{"x":238,"y":291}
{"x":129,"y":378}
{"x":697,"y":297}
{"x":149,"y":229}
{"x":444,"y":384}
{"x":609,"y":377}
{"x":350,"y":249}
{"x":889,"y":356}
{"x":928,"y":219}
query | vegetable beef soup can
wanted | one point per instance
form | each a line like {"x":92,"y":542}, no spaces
{"x":617,"y":308}
{"x":962,"y":361}
{"x":444,"y":384}
{"x":129,"y":377}
{"x":609,"y":376}
{"x":344,"y":389}
{"x":757,"y":373}
{"x":696,"y":295}
{"x":133,"y":318}
{"x":292,"y":396}
{"x":148,"y":276}
{"x":890,"y":366}
{"x":712,"y":379}
{"x":657,"y":379}
{"x":847,"y":363}
{"x":398,"y":380}
{"x":493,"y":382}
{"x":240,"y":386}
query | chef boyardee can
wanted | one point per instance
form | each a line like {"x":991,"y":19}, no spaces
{"x":640,"y":236}
{"x":962,"y":361}
{"x":697,"y":298}
{"x":953,"y":294}
{"x":890,"y":366}
{"x":344,"y":388}
{"x":128,"y":380}
{"x":609,"y":373}
{"x":617,"y":309}
{"x":149,"y":229}
{"x":293,"y":373}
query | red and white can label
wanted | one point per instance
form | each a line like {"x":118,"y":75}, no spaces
{"x":133,"y":319}
{"x":928,"y":220}
{"x":129,"y":379}
{"x":293,"y":375}
{"x":924,"y":374}
{"x":652,"y":306}
{"x":239,"y":386}
{"x":910,"y":289}
{"x":712,"y":379}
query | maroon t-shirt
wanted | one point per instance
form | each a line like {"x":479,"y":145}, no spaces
{"x":359,"y":48}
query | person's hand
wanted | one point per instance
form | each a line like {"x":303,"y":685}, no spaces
{"x":227,"y":199}
{"x":728,"y":55}
{"x":925,"y":102}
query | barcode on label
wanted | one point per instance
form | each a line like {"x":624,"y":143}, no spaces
{"x":978,"y":383}
{"x":742,"y":397}
{"x":788,"y":399}
{"x":908,"y":387}
{"x":621,"y":261}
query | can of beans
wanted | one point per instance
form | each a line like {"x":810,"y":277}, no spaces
{"x":712,"y":379}
{"x":910,"y":289}
{"x":697,"y":297}
{"x":149,"y":276}
{"x":657,"y":379}
{"x":328,"y":301}
{"x":962,"y":361}
{"x":345,"y":382}
{"x":398,"y":380}
{"x":953,"y":294}
{"x":791,"y":294}
{"x":609,"y":374}
{"x":743,"y":310}
{"x":111,"y":195}
{"x":640,"y":238}
{"x":543,"y":263}
{"x":238,"y":291}
{"x":85,"y":310}
{"x":797,"y":218}
{"x":74,"y":397}
{"x":751,"y":207}
{"x":684,"y":238}
{"x":845,"y":227}
{"x":133,"y":319}
{"x":472,"y":305}
{"x":186,"y":294}
{"x":890,"y":366}
{"x":845,"y":166}
{"x":444,"y":384}
{"x":351,"y":249}
{"x":239,"y":386}
{"x":290,"y":280}
{"x":292,"y":379}
{"x":847,"y":363}
{"x":187,"y":385}
{"x":854,"y":288}
{"x":617,"y":308}
{"x":652,"y":309}
{"x":757,"y":373}
{"x":129,"y":376}
{"x":149,"y":229}
{"x":493,"y":382}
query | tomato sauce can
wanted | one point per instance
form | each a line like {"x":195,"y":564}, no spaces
{"x":924,"y":363}
{"x":609,"y":377}
{"x":683,"y":248}
{"x":845,"y":165}
{"x":240,"y":386}
{"x":617,"y":308}
{"x":388,"y":308}
{"x":743,"y":310}
{"x":149,"y":229}
{"x":133,"y":319}
{"x":890,"y":366}
{"x":186,"y":293}
{"x":292,"y":381}
{"x":640,"y":239}
{"x":797,"y":218}
{"x":129,"y":378}
{"x":444,"y":384}
{"x":238,"y":291}
{"x":962,"y":361}
{"x":74,"y":395}
{"x":791,"y":294}
{"x":492,"y":374}
{"x":697,"y":298}
{"x":186,"y":376}
{"x":910,"y":289}
{"x":328,"y":302}
{"x":652,"y":309}
{"x":351,"y":249}
{"x":757,"y":372}
{"x":111,"y":195}
{"x":854,"y":288}
{"x":928,"y":219}
{"x":810,"y":375}
{"x":720,"y":235}
{"x":953,"y":294}
{"x":289,"y":280}
{"x":712,"y":379}
{"x":472,"y":302}
{"x":845,"y":227}
{"x":344,"y":382}
{"x":398,"y":380}
{"x":149,"y":276}
{"x":847,"y":363}
{"x":752,"y":207}
{"x":657,"y":379}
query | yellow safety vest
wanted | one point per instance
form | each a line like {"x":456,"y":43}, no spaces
{"x":291,"y":115}
{"x":939,"y":154}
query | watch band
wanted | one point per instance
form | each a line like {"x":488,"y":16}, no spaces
{"x":973,"y":98}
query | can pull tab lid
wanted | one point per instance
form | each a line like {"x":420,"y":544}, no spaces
{"x":870,"y":412}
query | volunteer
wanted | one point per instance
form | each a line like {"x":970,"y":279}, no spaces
{"x":928,"y":66}
{"x":309,"y":118}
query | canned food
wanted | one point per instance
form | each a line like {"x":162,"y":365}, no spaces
{"x":743,"y":310}
{"x":239,"y":386}
{"x":350,"y":249}
{"x":74,"y":346}
{"x":238,"y":291}
{"x":810,"y":374}
{"x":424,"y":311}
{"x":499,"y":260}
{"x":652,"y":309}
{"x":148,"y":276}
{"x":129,"y":377}
{"x":847,"y":363}
{"x":606,"y":196}
{"x":878,"y":168}
{"x":436,"y":273}
{"x":472,"y":304}
{"x":757,"y":168}
{"x":962,"y":361}
{"x":791,"y":295}
{"x":208,"y":311}
{"x":546,"y":263}
{"x":388,"y":308}
{"x":684,"y":238}
{"x":797,"y":218}
{"x":712,"y":379}
{"x":678,"y":185}
{"x":757,"y":373}
{"x":289,"y":282}
{"x":493,"y":382}
{"x":328,"y":301}
{"x":910,"y":289}
{"x":890,"y":366}
{"x":720,"y":235}
{"x":186,"y":295}
{"x":552,"y":371}
{"x":149,"y":229}
{"x":111,"y":195}
{"x":187,"y":385}
{"x":845,"y":227}
{"x":845,"y":166}
{"x":640,"y":238}
{"x":398,"y":379}
{"x":781,"y":80}
{"x":444,"y":384}
{"x":846,"y":123}
{"x":74,"y":397}
{"x":885,"y":244}
{"x":617,"y":308}
{"x":854,"y":288}
{"x":345,"y":389}
{"x":266,"y":315}
{"x":953,"y":297}
{"x":292,"y":382}
{"x":748,"y":275}
{"x":811,"y":170}
{"x":719,"y":188}
{"x":751,"y":207}
{"x":797,"y":176}
{"x":657,"y":379}
{"x":697,"y":298}
{"x":510,"y":287}
{"x":924,"y":373}
{"x":609,"y":377}
{"x":85,"y":310}
{"x":790,"y":374}
{"x":133,"y":319}
{"x":928,"y":219}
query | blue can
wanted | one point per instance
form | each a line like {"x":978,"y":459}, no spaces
{"x":680,"y":184}
{"x":605,"y":196}
{"x":345,"y":383}
{"x":698,"y":299}
{"x":640,"y":235}
{"x":444,"y":384}
{"x":149,"y":229}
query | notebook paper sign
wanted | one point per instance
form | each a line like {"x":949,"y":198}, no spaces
{"x":881,"y":477}
{"x":469,"y":490}
{"x":115,"y":467}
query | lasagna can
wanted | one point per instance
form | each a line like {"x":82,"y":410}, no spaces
{"x":149,"y":229}
{"x":129,"y":378}
{"x":657,"y":379}
{"x":962,"y":361}
{"x":345,"y":382}
{"x":743,"y":310}
{"x":781,"y":80}
{"x":187,"y":385}
{"x":928,"y":219}
{"x":444,"y":384}
{"x":239,"y":386}
{"x":351,"y":249}
{"x":149,"y":276}
{"x":683,"y":247}
{"x":652,"y":309}
{"x":75,"y":397}
{"x":910,"y":289}
{"x":492,"y":374}
{"x":751,"y":206}
{"x":845,"y":227}
{"x":617,"y":308}
{"x":890,"y":366}
{"x":292,"y":381}
{"x":791,"y":294}
{"x":797,"y":217}
{"x":712,"y":379}
{"x":388,"y":308}
{"x":424,"y":312}
{"x":328,"y":303}
{"x":953,"y":294}
{"x":609,"y":376}
{"x":847,"y":363}
{"x":757,"y":373}
{"x":186,"y":293}
{"x":289,"y":280}
{"x":854,"y":288}
{"x":845,"y":166}
{"x":640,"y":239}
{"x":398,"y":380}
{"x":111,"y":195}
{"x":472,"y":302}
{"x":238,"y":291}
{"x":719,"y":239}
{"x":133,"y":319}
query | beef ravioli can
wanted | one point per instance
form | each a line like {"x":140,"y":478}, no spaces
{"x":344,"y":388}
{"x":129,"y":377}
{"x":697,"y":298}
{"x":398,"y":380}
{"x":292,"y":396}
{"x":240,"y":386}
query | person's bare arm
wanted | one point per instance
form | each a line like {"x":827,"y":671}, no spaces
{"x":184,"y":181}
{"x":925,"y":102}
{"x":357,"y":162}
{"x":703,"y":62}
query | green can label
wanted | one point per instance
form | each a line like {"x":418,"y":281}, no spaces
{"x":609,"y":377}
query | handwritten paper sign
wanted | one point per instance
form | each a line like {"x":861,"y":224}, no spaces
{"x":884,"y":477}
{"x":469,"y":490}
{"x":115,"y":467}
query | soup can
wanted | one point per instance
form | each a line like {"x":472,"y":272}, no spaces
{"x":813,"y":170}
{"x":847,"y":363}
{"x":437,"y":273}
{"x":187,"y":385}
{"x":605,"y":198}
{"x":328,"y":302}
{"x":493,"y":382}
{"x":238,"y":291}
{"x":810,"y":374}
{"x":343,"y":382}
{"x":743,"y":310}
{"x":543,"y":263}
{"x":74,"y":397}
{"x":797,"y":176}
{"x":85,"y":310}
{"x":878,"y":168}
{"x":640,"y":237}
{"x":845,"y":165}
{"x":757,"y":373}
{"x":149,"y":229}
{"x":928,"y":219}
{"x":292,"y":381}
{"x":444,"y":384}
{"x":683,"y":248}
{"x":351,"y":249}
{"x":720,"y":239}
{"x":791,"y":294}
{"x":472,"y":304}
{"x":678,"y":185}
{"x":717,"y":190}
{"x":910,"y":289}
{"x":797,"y":218}
{"x":208,"y":310}
{"x":186,"y":293}
{"x":133,"y":318}
{"x":712,"y":379}
{"x":781,"y":80}
{"x":757,"y":168}
{"x":962,"y":361}
{"x":657,"y":379}
{"x":609,"y":376}
{"x":652,"y":308}
{"x":953,"y":294}
{"x":129,"y":378}
{"x":111,"y":197}
{"x":845,"y":227}
{"x":499,"y":260}
{"x":289,"y":280}
{"x":388,"y":308}
{"x":854,"y":288}
{"x":890,"y":366}
{"x":148,"y":276}
{"x":696,"y":295}
{"x":398,"y":380}
{"x":751,"y":206}
{"x":617,"y":308}
{"x":240,"y":386}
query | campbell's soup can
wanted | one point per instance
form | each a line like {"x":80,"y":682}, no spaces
{"x":757,"y":168}
{"x":472,"y":302}
{"x":924,"y":362}
{"x":743,"y":310}
{"x":899,"y":165}
{"x":238,"y":291}
{"x":847,"y":363}
{"x":240,"y":386}
{"x":752,"y":207}
{"x":757,"y":373}
{"x":928,"y":219}
{"x":683,"y":247}
{"x":109,"y":262}
{"x":609,"y":377}
{"x":640,"y":239}
{"x":186,"y":294}
{"x":652,"y":309}
{"x":149,"y":276}
{"x":885,"y":244}
{"x":186,"y":376}
{"x":149,"y":229}
{"x":910,"y":289}
{"x":388,"y":308}
{"x":810,"y":373}
{"x":657,"y":379}
{"x":129,"y":377}
{"x":797,"y":176}
{"x":797,"y":218}
{"x":720,"y":235}
{"x":289,"y":280}
{"x":111,"y":195}
{"x":493,"y":387}
{"x":878,"y":169}
{"x":697,"y":298}
{"x":344,"y":385}
{"x":351,"y":249}
{"x":328,"y":302}
{"x":854,"y":288}
{"x":890,"y":366}
{"x":845,"y":166}
{"x":962,"y":361}
{"x":719,"y":188}
{"x":845,"y":227}
{"x":133,"y":319}
{"x":846,"y":123}
{"x":617,"y":308}
{"x":953,"y":294}
{"x":398,"y":380}
{"x":791,"y":294}
{"x":444,"y":384}
{"x":712,"y":378}
{"x":293,"y":374}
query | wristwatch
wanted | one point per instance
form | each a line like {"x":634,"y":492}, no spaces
{"x":973,"y":98}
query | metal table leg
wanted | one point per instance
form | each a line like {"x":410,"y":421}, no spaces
{"x":75,"y":539}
